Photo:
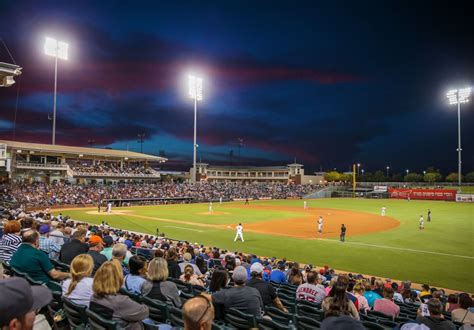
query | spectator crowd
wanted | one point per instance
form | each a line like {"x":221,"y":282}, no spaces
{"x":110,"y":169}
{"x":105,"y":269}
{"x":42,"y":194}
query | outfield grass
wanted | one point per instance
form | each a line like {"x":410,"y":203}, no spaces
{"x":441,"y":255}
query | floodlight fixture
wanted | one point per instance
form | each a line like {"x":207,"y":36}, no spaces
{"x":195,"y":87}
{"x":456,"y":96}
{"x":55,"y":48}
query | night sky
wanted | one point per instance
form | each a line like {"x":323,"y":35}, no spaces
{"x":330,"y":83}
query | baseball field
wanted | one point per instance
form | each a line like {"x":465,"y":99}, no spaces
{"x":391,"y":246}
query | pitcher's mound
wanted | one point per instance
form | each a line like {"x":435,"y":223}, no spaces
{"x":213,"y":213}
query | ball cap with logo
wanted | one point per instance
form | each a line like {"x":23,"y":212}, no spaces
{"x":19,"y":298}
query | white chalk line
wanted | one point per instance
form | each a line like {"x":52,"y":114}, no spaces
{"x":397,"y":248}
{"x":184,"y":228}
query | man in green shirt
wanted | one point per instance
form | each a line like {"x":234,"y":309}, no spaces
{"x":35,"y":263}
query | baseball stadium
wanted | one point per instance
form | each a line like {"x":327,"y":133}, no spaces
{"x":257,"y":188}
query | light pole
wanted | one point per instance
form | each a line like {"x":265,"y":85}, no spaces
{"x":387,"y":168}
{"x":141,"y":139}
{"x":57,"y":49}
{"x":358,"y":166}
{"x":458,"y":96}
{"x":195,"y":92}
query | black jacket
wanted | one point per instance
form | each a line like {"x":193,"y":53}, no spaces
{"x":72,"y":249}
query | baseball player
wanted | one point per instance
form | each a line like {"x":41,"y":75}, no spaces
{"x":320,"y":225}
{"x":109,"y":207}
{"x":428,"y":218}
{"x":220,"y":200}
{"x":384,"y":209}
{"x":239,"y":232}
{"x":210,"y":207}
{"x":422,"y":223}
{"x":305,"y":205}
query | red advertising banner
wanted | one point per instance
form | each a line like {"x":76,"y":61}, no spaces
{"x":430,"y":194}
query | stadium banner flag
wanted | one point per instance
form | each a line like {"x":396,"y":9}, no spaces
{"x":426,"y":194}
{"x":465,"y":198}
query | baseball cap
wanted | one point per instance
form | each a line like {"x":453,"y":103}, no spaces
{"x":256,"y":268}
{"x":108,"y":240}
{"x":240,"y":274}
{"x":95,"y":240}
{"x":19,"y":298}
{"x":44,"y":229}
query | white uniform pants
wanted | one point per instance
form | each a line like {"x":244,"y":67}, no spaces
{"x":239,"y":235}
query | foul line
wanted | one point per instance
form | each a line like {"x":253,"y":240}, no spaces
{"x":397,"y":248}
{"x":184,"y":228}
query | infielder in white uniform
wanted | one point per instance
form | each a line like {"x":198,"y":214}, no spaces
{"x":422,"y":223}
{"x":383,"y":211}
{"x":239,"y":232}
{"x":210,"y":207}
{"x":109,"y":207}
{"x":305,"y":205}
{"x":320,"y":225}
{"x":220,"y":200}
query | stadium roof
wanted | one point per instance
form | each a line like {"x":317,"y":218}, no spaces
{"x":71,"y":150}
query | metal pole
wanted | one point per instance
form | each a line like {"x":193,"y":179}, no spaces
{"x":55,"y":89}
{"x":459,"y":141}
{"x":195,"y":142}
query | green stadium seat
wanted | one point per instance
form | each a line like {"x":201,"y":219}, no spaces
{"x":307,"y":323}
{"x":75,"y":313}
{"x":159,"y":310}
{"x":239,"y":319}
{"x":98,"y":322}
{"x":373,"y":325}
{"x":267,"y":324}
{"x":279,"y":315}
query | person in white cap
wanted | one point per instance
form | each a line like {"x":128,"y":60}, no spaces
{"x":239,"y":233}
{"x":266,"y":289}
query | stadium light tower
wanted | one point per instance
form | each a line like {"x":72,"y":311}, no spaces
{"x":195,"y":92}
{"x":57,"y":49}
{"x":388,"y":169}
{"x":458,"y":96}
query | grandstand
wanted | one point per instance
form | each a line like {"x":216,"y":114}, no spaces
{"x":34,"y":162}
{"x":291,"y":173}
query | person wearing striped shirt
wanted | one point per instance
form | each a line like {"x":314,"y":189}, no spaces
{"x":10,"y":240}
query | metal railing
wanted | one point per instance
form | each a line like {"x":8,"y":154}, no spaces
{"x":42,"y":165}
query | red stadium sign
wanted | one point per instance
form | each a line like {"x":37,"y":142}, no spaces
{"x":430,"y":194}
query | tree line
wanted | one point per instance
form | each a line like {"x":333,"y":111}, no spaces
{"x":431,"y":175}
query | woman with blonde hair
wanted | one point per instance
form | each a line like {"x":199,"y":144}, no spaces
{"x":107,"y":302}
{"x":78,"y":288}
{"x":359,"y":290}
{"x":190,"y":277}
{"x":162,"y":289}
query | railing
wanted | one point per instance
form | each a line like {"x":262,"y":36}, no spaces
{"x":42,"y":165}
